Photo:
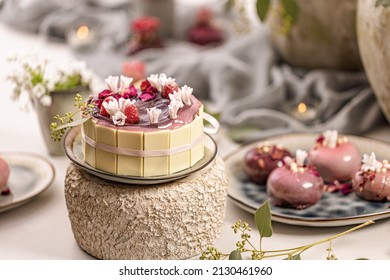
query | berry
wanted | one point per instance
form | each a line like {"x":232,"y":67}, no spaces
{"x":103,"y":110}
{"x":169,"y":89}
{"x":131,"y":113}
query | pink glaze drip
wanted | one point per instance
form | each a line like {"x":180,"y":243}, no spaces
{"x":294,"y":189}
{"x":338,"y":163}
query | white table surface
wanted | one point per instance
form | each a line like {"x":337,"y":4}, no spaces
{"x":41,"y":228}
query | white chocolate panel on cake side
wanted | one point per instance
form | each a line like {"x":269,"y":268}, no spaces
{"x":130,"y":165}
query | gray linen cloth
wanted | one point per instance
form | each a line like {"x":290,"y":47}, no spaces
{"x":243,"y":79}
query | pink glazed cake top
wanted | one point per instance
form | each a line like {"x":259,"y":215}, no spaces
{"x":158,"y":103}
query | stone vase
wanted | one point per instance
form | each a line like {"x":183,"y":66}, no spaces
{"x":373,"y":25}
{"x":62,"y":102}
{"x":323,"y":36}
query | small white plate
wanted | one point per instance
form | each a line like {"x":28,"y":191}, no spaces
{"x":334,"y":209}
{"x":30,"y":175}
{"x":74,"y":151}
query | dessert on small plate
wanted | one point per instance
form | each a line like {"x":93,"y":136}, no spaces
{"x":4,"y":175}
{"x":372,"y":181}
{"x":336,"y":158}
{"x":295,"y":184}
{"x":261,"y":160}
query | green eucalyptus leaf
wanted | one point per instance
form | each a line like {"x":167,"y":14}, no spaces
{"x":262,"y":7}
{"x":362,"y":259}
{"x":291,"y":9}
{"x":384,"y":3}
{"x":235,"y":255}
{"x":263,"y":220}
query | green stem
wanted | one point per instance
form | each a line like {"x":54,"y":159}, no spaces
{"x":301,"y":249}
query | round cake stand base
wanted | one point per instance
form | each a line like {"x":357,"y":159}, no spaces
{"x":175,"y":220}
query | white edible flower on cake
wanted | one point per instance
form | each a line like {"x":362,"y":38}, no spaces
{"x":153,"y":114}
{"x":112,"y":106}
{"x":186,"y":93}
{"x":370,"y":163}
{"x":123,"y":103}
{"x":158,"y":81}
{"x":112,"y":83}
{"x":176,"y":96}
{"x":330,"y":138}
{"x":173,"y":107}
{"x":118,"y":118}
{"x":118,"y":84}
{"x":124,"y":83}
{"x":300,"y":156}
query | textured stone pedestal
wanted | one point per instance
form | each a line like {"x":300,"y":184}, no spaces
{"x":175,"y":220}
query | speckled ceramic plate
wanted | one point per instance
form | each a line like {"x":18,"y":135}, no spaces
{"x":74,"y":151}
{"x":334,"y":209}
{"x":30,"y":175}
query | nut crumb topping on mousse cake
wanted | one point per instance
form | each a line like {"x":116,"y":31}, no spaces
{"x":372,"y":180}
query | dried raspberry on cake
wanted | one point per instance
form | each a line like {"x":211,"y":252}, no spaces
{"x":168,"y":89}
{"x":132,"y":114}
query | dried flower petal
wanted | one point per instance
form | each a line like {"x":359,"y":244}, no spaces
{"x":147,"y":95}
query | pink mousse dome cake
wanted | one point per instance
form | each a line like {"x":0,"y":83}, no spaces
{"x":335,"y":158}
{"x":261,"y":160}
{"x":372,"y":180}
{"x":295,"y":184}
{"x":4,"y":175}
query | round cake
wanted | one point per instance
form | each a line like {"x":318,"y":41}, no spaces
{"x":336,"y":158}
{"x":152,"y":129}
{"x":295,"y":184}
{"x":372,"y":181}
{"x":261,"y":160}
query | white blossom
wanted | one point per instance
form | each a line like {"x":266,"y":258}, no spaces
{"x":158,"y":81}
{"x":186,"y":93}
{"x":331,"y":137}
{"x":370,"y":162}
{"x":166,"y":80}
{"x":46,"y":100}
{"x":124,"y":83}
{"x":300,"y":157}
{"x":176,"y":96}
{"x":123,"y":103}
{"x":173,"y":107}
{"x":154,"y":81}
{"x":118,"y":118}
{"x":111,"y":106}
{"x":118,"y":84}
{"x":112,"y":83}
{"x":153,"y":114}
{"x":34,"y":77}
{"x":39,"y":90}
